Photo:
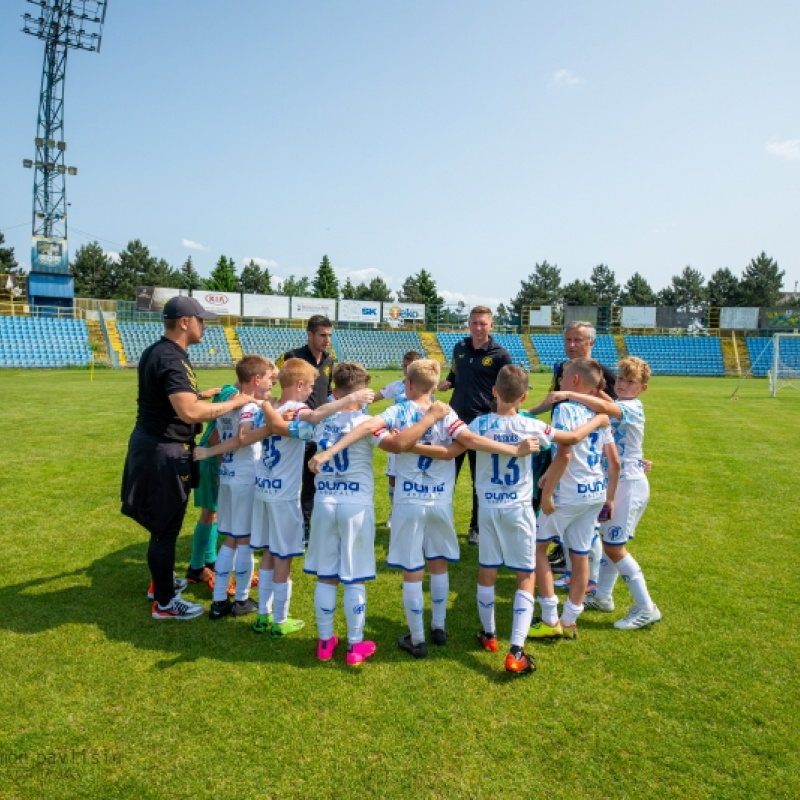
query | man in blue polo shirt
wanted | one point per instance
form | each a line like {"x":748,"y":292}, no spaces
{"x":473,"y":371}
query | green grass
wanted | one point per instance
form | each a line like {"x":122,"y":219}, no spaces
{"x":98,"y":700}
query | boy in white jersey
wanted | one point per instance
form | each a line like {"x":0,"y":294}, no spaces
{"x":422,"y":518}
{"x":235,"y":502}
{"x":396,"y":390}
{"x":277,"y":519}
{"x":627,"y":423}
{"x":574,"y":490}
{"x":506,"y":516}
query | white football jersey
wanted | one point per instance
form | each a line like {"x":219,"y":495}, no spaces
{"x":238,"y":466}
{"x":629,"y":438}
{"x":585,"y":480}
{"x":419,"y":479}
{"x":503,"y":480}
{"x":396,"y":390}
{"x":349,"y":476}
{"x":279,"y":470}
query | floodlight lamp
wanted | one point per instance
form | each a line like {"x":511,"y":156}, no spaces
{"x":49,"y":166}
{"x":39,"y":141}
{"x":62,"y":146}
{"x":27,"y":163}
{"x":39,"y":165}
{"x":51,"y":142}
{"x":61,"y":169}
{"x":72,"y":170}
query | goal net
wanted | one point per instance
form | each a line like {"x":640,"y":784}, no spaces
{"x":785,"y":369}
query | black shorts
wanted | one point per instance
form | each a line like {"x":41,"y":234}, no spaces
{"x":156,"y":483}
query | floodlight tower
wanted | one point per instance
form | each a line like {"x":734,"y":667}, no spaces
{"x":61,"y":24}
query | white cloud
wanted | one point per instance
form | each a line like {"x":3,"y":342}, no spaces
{"x":261,"y":262}
{"x":112,"y":255}
{"x":789,"y":149}
{"x":564,"y":77}
{"x":194,"y":245}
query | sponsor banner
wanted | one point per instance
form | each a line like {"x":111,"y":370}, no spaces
{"x":780,"y":319}
{"x":540,"y":317}
{"x":580,"y":313}
{"x":741,"y":318}
{"x":153,"y":298}
{"x":223,"y":303}
{"x":306,"y":307}
{"x":49,"y":255}
{"x":265,"y":305}
{"x":638,"y":316}
{"x":397,"y":314}
{"x":359,"y":311}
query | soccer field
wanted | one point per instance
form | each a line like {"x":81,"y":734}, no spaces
{"x":100,"y":700}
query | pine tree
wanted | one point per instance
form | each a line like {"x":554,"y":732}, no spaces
{"x":8,"y":263}
{"x":325,"y":283}
{"x":93,"y":272}
{"x":254,"y":280}
{"x":637,"y":292}
{"x":723,"y":288}
{"x":579,"y":293}
{"x":348,"y":290}
{"x":761,"y":283}
{"x":605,"y":286}
{"x":543,"y":288}
{"x":128,"y":273}
{"x":223,"y":276}
{"x":188,"y":277}
{"x":295,"y":287}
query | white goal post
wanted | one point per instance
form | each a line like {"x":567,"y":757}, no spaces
{"x":785,"y":369}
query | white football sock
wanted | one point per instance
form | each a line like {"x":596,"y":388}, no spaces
{"x":325,"y":608}
{"x":265,"y":578}
{"x":549,"y":609}
{"x":607,"y":577}
{"x":570,"y":612}
{"x":595,"y":555}
{"x":567,"y":560}
{"x":486,"y":607}
{"x":355,"y":611}
{"x":440,"y":588}
{"x":244,"y":571}
{"x":413,"y":605}
{"x":281,"y":603}
{"x":523,"y":615}
{"x":632,"y":575}
{"x":223,"y":573}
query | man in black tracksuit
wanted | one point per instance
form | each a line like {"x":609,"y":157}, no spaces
{"x":473,"y":372}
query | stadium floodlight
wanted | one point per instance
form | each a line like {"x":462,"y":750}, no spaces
{"x":61,"y":169}
{"x":72,"y":170}
{"x":27,"y":163}
{"x":62,"y":146}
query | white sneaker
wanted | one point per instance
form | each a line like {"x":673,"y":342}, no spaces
{"x":638,"y":618}
{"x":177,"y":609}
{"x":597,"y":602}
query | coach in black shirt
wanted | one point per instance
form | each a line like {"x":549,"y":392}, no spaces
{"x":473,"y":372}
{"x":319,"y":330}
{"x":157,"y":478}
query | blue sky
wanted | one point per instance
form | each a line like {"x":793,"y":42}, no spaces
{"x":472,"y":139}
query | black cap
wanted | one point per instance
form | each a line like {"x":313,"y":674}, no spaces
{"x":182,"y":306}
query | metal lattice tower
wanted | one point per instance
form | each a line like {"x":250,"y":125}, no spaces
{"x":61,"y":24}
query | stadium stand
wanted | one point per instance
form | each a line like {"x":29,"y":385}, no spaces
{"x":550,"y":349}
{"x":136,"y":336}
{"x":43,"y":342}
{"x":269,"y":342}
{"x":678,"y":355}
{"x":510,"y":341}
{"x":377,"y":349}
{"x":760,"y":351}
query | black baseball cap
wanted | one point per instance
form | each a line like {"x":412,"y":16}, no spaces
{"x":182,"y":306}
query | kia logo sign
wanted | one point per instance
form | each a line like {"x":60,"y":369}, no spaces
{"x":216,"y":299}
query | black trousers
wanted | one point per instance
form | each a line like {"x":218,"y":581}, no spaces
{"x":156,"y":483}
{"x":470,"y":454}
{"x":309,"y":487}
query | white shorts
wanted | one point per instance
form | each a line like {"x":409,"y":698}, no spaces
{"x":629,"y":505}
{"x":574,"y":525}
{"x":342,"y":542}
{"x":235,"y":509}
{"x":419,"y":533}
{"x":278,"y":527}
{"x":508,"y":536}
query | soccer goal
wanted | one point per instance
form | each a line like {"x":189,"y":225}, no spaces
{"x":785,"y":369}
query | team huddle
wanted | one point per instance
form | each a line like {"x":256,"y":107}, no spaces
{"x":593,"y":484}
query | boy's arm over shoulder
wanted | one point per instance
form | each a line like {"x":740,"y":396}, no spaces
{"x":366,"y":428}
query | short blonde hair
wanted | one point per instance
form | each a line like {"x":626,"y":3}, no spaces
{"x":588,"y":370}
{"x":295,"y":370}
{"x":511,"y":383}
{"x":250,"y":366}
{"x":348,"y":376}
{"x":424,"y":374}
{"x":634,"y":369}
